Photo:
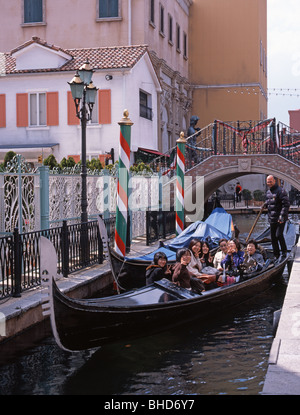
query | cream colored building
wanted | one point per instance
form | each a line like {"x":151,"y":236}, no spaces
{"x":210,"y":55}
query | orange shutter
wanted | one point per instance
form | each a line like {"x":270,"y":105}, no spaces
{"x":52,"y":108}
{"x":72,"y":119}
{"x":2,"y":111}
{"x":75,"y":158}
{"x":22,"y":110}
{"x":104,"y":106}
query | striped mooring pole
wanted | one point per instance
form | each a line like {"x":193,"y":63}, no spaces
{"x":180,"y":171}
{"x":122,"y":189}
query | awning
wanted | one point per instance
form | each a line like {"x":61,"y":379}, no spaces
{"x":155,"y":152}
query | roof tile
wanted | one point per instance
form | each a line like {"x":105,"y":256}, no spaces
{"x":116,"y":57}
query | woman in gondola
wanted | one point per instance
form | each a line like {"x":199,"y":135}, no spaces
{"x":206,"y":257}
{"x":195,"y":266}
{"x":159,"y":269}
{"x":220,"y":255}
{"x":198,"y":268}
{"x":182,"y":276}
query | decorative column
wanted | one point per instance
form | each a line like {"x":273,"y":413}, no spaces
{"x":180,"y":171}
{"x":122,"y":189}
{"x":44,"y":196}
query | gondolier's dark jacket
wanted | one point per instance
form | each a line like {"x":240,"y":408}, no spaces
{"x":278,"y":204}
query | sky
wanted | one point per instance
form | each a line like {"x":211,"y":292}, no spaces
{"x":283,"y":58}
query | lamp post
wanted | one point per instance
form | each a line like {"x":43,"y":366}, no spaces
{"x":84,"y":95}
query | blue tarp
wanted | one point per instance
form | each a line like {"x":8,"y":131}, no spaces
{"x":221,"y":220}
{"x":217,"y":226}
{"x":171,"y":255}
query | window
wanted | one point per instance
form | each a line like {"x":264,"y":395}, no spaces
{"x":170,"y":35}
{"x":162,"y":20}
{"x":152,"y":12}
{"x":33,"y":11}
{"x":177,"y":37}
{"x":108,"y":8}
{"x":145,"y":105}
{"x":185,"y":45}
{"x":2,"y":111}
{"x":37,"y":110}
{"x":94,"y":119}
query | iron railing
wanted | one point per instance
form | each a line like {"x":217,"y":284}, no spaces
{"x":77,"y":246}
{"x":222,"y":138}
{"x":288,"y":141}
{"x":159,"y":225}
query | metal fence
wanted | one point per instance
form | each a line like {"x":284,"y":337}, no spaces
{"x":77,"y":246}
{"x":159,"y":225}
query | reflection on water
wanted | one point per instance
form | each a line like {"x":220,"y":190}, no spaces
{"x":229,"y":356}
{"x":226,"y":356}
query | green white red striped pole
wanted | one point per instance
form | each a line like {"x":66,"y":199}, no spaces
{"x":122,"y":189}
{"x":180,"y":171}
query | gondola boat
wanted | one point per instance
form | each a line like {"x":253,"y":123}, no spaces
{"x":130,"y":270}
{"x":79,"y":324}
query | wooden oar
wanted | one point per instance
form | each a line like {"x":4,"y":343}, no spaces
{"x":255,"y":222}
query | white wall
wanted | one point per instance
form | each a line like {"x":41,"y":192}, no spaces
{"x":100,"y":138}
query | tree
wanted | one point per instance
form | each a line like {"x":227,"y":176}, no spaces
{"x":94,"y":164}
{"x":8,"y":157}
{"x":69,"y":162}
{"x":51,"y":162}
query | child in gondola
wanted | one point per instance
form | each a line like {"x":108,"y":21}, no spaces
{"x":182,"y":276}
{"x":158,"y":269}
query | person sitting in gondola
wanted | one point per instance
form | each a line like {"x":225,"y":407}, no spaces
{"x":233,"y":261}
{"x":253,"y":259}
{"x":195,"y":267}
{"x":221,"y":254}
{"x":158,"y":269}
{"x":182,"y":276}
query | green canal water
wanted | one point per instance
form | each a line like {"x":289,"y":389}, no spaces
{"x":228,"y":356}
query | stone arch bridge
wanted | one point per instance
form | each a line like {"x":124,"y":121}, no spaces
{"x":218,"y":170}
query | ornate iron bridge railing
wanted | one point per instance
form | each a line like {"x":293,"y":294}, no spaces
{"x":231,"y":138}
{"x":288,"y":141}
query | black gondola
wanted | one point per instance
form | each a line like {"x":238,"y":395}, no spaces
{"x":79,"y":324}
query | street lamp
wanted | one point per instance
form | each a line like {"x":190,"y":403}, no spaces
{"x":84,"y":93}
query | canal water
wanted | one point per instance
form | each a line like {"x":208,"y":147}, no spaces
{"x":228,"y":356}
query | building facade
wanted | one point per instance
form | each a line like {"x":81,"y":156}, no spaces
{"x":38,"y":114}
{"x":228,"y":60}
{"x":210,"y":55}
{"x":162,"y":25}
{"x":294,"y":119}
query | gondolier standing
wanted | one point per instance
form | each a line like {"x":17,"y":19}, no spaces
{"x":277,"y":203}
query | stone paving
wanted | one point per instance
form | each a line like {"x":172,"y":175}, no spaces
{"x":283,"y":375}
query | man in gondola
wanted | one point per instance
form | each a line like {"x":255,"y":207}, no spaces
{"x":278,"y":204}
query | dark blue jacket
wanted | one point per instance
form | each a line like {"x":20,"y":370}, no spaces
{"x":278,"y":204}
{"x":234,"y":260}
